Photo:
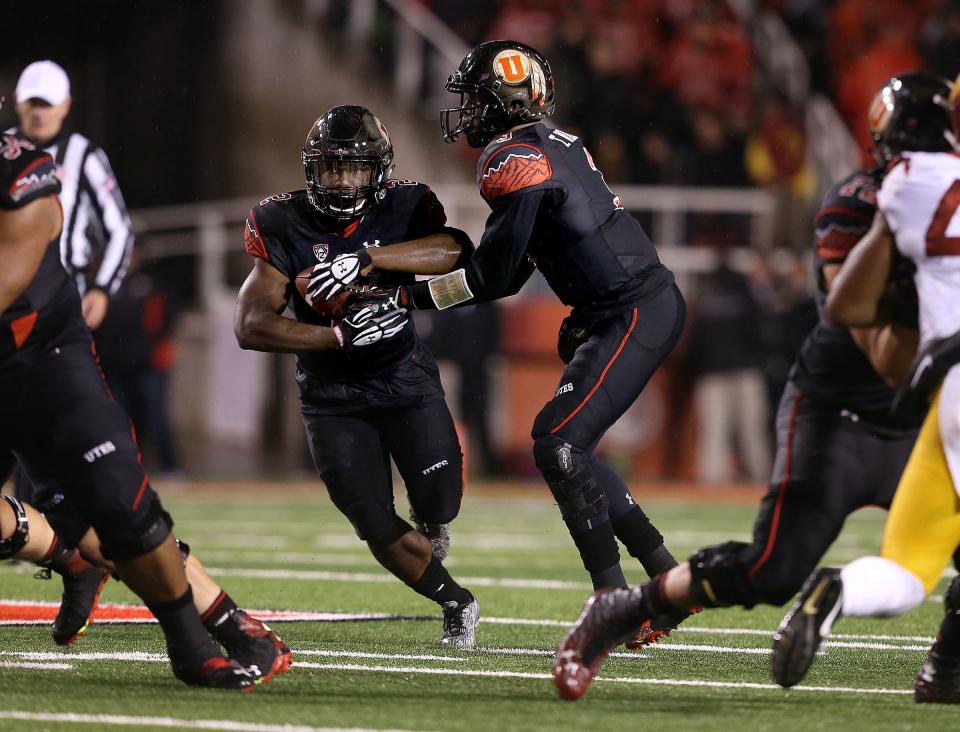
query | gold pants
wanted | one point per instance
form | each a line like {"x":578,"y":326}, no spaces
{"x":923,"y":528}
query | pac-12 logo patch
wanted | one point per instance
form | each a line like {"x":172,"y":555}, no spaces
{"x":320,"y":251}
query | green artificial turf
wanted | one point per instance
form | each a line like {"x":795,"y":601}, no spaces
{"x":281,"y":550}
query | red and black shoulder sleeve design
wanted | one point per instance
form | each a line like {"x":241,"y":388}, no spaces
{"x":26,"y":173}
{"x":845,"y":216}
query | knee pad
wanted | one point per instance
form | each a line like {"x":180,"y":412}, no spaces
{"x":136,"y":538}
{"x":572,"y":481}
{"x":14,"y":543}
{"x":719,"y":577}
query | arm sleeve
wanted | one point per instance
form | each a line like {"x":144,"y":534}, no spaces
{"x":108,"y":203}
{"x":499,"y":266}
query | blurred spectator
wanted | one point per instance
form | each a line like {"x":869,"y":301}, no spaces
{"x":137,"y":350}
{"x":776,"y":159}
{"x":781,"y":282}
{"x":468,"y":338}
{"x":730,"y":402}
{"x":716,"y":154}
{"x":941,"y":41}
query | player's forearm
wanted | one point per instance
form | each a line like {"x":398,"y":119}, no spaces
{"x":890,"y":350}
{"x":266,"y":331}
{"x":429,"y":255}
{"x":856,"y":291}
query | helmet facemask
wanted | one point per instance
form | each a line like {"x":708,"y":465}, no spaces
{"x":344,"y":187}
{"x":480,"y":115}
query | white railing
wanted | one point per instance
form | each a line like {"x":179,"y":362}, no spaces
{"x":211,"y":231}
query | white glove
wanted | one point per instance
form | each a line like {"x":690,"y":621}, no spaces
{"x":329,"y":278}
{"x":366,"y":326}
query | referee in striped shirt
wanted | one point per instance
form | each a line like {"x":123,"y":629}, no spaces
{"x":97,"y":236}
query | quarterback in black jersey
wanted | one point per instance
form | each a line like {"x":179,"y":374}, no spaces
{"x":59,"y":419}
{"x":840,"y":445}
{"x":551,"y":210}
{"x":370,"y":389}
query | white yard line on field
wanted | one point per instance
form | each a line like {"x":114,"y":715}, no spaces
{"x":37,"y":665}
{"x":866,"y":640}
{"x":130,"y":721}
{"x":325,"y":576}
{"x":621,"y":680}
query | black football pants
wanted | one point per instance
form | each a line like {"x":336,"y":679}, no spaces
{"x":826,"y":467}
{"x":352,"y":454}
{"x":58,"y":417}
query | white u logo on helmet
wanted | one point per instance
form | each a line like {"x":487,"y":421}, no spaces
{"x":512,"y":66}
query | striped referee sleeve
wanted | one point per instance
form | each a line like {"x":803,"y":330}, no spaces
{"x":107,"y":202}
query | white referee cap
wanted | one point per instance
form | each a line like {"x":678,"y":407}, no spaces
{"x":43,"y":80}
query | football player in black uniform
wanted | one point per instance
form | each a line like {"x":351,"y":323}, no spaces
{"x":370,"y":390}
{"x":840,"y":445}
{"x":552,"y":210}
{"x":58,"y":418}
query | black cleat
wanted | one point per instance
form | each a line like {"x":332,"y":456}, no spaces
{"x":609,"y":618}
{"x":252,"y":643}
{"x":216,"y":672}
{"x":938,"y":681}
{"x":805,"y":627}
{"x":81,"y":590}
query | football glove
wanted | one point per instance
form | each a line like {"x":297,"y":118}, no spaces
{"x":929,"y":367}
{"x":372,"y":320}
{"x":329,"y":278}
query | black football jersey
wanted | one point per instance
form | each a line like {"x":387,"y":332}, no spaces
{"x":830,"y":367}
{"x":288,"y":233}
{"x":552,"y":209}
{"x":49,"y":309}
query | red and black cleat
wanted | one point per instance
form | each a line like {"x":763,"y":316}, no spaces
{"x":609,"y":617}
{"x":81,"y":591}
{"x":252,"y":643}
{"x":219,"y":673}
{"x":656,"y":629}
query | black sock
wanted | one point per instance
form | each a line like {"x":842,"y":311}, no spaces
{"x":599,"y":552}
{"x":658,"y":561}
{"x":187,"y":639}
{"x":609,"y":577}
{"x":643,"y":541}
{"x":655,"y":599}
{"x":436,"y":584}
{"x":217,"y":614}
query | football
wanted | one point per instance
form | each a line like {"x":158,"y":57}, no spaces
{"x":335,"y":307}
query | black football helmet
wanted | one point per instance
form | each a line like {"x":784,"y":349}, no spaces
{"x":347,"y":158}
{"x":501,"y":84}
{"x":911,"y":112}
